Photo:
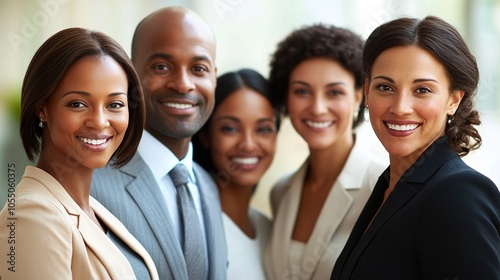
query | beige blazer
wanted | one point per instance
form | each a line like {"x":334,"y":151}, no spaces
{"x":335,"y":222}
{"x":46,"y":235}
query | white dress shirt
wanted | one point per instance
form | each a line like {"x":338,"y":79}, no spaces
{"x":160,"y":161}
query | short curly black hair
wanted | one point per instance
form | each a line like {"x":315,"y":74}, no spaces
{"x":318,"y":40}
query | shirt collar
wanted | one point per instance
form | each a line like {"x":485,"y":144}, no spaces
{"x":160,"y":159}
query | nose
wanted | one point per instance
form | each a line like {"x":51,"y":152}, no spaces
{"x":248,"y":143}
{"x":181,"y":81}
{"x":97,"y":119}
{"x":401,"y":104}
{"x":318,"y":106}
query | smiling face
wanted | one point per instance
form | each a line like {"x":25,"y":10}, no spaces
{"x":86,"y":117}
{"x":174,"y":58}
{"x":242,"y":137}
{"x":409,"y":99}
{"x":321,"y":102}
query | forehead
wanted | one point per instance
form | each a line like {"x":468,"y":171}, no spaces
{"x":175,"y":34}
{"x":321,"y":70}
{"x":243,"y":101}
{"x":410,"y":61}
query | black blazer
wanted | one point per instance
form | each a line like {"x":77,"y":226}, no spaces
{"x":441,"y":221}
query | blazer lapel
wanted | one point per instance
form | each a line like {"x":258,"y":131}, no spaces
{"x":149,"y":198}
{"x":213,"y":225}
{"x":121,"y":232}
{"x":283,"y":224}
{"x":107,"y":253}
{"x":411,"y":183}
{"x":95,"y":239}
{"x":334,"y":210}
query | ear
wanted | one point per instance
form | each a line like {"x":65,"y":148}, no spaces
{"x":41,"y":112}
{"x":366,"y":91}
{"x":358,"y":94}
{"x":454,"y":100}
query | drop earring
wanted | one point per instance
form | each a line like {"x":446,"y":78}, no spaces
{"x":40,"y":124}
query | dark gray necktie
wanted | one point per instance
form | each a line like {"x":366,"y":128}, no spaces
{"x":193,"y":243}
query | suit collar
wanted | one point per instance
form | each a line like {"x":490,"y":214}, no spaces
{"x":95,"y":239}
{"x":146,"y":194}
{"x":160,"y":159}
{"x":212,"y":216}
{"x":431,"y":159}
{"x":349,"y":177}
{"x":331,"y":216}
{"x":410,"y":184}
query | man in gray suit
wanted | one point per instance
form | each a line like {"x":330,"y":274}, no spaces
{"x":173,"y":51}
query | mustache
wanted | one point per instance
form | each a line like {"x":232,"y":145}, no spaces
{"x":193,"y":97}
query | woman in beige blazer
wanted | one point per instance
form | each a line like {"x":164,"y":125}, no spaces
{"x":316,"y":72}
{"x":78,"y":95}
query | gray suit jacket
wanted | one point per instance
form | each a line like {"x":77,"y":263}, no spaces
{"x":133,"y":196}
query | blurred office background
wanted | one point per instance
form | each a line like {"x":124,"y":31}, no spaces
{"x":247,"y":32}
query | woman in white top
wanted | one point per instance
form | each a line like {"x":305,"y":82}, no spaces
{"x":316,"y":72}
{"x":237,"y":145}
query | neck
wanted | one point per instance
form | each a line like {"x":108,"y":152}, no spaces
{"x":325,"y":165}
{"x":178,"y":147}
{"x":235,"y":201}
{"x":74,"y":179}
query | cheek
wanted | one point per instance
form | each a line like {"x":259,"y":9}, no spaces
{"x":294,"y":106}
{"x":206,"y":87}
{"x":268,"y":144}
{"x":66,"y":122}
{"x":220,"y":146}
{"x":120,"y":122}
{"x":151,"y":83}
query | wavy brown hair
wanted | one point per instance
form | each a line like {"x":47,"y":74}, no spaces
{"x":445,"y":43}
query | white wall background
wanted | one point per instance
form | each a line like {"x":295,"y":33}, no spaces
{"x":247,"y":32}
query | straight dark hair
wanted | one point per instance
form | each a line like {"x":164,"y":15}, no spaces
{"x":48,"y":67}
{"x":228,"y":84}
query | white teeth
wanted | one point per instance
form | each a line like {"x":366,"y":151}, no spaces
{"x":178,"y":105}
{"x":318,"y":124}
{"x":251,"y":160}
{"x":404,"y":127}
{"x":93,"y":141}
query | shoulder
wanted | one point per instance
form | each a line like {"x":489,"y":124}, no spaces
{"x":279,"y":190}
{"x":287,"y":180}
{"x":458,"y":188}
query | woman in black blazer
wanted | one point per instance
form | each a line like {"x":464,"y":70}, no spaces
{"x":430,"y":215}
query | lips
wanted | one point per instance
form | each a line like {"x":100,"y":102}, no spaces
{"x":181,"y":106}
{"x":324,"y":124}
{"x":402,"y":127}
{"x":245,"y":160}
{"x":94,"y":142}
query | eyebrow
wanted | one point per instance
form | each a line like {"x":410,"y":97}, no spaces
{"x":235,"y":119}
{"x":327,"y":85}
{"x":167,"y":56}
{"x":84,"y":93}
{"x":414,"y":81}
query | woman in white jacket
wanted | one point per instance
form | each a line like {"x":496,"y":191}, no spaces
{"x":316,"y":72}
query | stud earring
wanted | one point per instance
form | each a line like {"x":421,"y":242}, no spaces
{"x":40,"y":124}
{"x":450,"y":119}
